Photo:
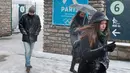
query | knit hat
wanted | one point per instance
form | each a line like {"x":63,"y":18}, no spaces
{"x":32,"y":9}
{"x":98,"y":16}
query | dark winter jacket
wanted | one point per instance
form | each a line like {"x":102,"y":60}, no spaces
{"x":92,"y":57}
{"x":95,"y":59}
{"x":77,"y":23}
{"x":29,"y":27}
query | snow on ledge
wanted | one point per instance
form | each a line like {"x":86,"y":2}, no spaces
{"x":121,"y":44}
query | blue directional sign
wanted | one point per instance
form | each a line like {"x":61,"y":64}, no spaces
{"x":118,"y":11}
{"x":62,"y":13}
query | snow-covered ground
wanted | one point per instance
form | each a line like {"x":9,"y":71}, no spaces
{"x":12,"y":59}
{"x":50,"y":63}
{"x":15,"y":64}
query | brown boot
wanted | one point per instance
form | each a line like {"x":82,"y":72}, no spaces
{"x":28,"y":69}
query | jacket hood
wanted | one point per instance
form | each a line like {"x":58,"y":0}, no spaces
{"x":98,"y":16}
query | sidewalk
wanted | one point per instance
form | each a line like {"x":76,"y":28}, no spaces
{"x":14,"y":43}
{"x":12,"y":59}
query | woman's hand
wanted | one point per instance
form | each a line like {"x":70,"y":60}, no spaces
{"x":110,"y":47}
{"x":77,"y":29}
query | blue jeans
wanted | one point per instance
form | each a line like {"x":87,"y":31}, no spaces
{"x":28,"y":52}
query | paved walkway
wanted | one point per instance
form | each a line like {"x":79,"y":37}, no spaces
{"x":12,"y":58}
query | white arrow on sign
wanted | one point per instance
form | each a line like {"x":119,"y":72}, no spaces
{"x":114,"y":32}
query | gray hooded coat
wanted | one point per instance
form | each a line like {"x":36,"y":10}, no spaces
{"x":94,"y":60}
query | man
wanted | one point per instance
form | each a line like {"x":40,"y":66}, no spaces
{"x":29,"y":25}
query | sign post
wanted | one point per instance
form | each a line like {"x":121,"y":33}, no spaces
{"x":62,"y":12}
{"x":118,"y":13}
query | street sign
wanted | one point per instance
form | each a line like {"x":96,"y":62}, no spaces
{"x":62,"y":13}
{"x":22,"y":10}
{"x":118,"y":12}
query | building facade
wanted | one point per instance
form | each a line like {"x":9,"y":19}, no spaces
{"x":57,"y":38}
{"x":5,"y":17}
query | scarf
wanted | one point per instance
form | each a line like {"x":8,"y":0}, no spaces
{"x":102,"y":36}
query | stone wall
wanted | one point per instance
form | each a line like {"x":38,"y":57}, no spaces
{"x":121,"y":53}
{"x":5,"y":17}
{"x":57,"y":38}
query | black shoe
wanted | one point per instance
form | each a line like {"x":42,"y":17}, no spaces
{"x":29,"y":66}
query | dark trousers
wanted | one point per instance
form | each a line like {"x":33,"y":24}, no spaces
{"x":85,"y":67}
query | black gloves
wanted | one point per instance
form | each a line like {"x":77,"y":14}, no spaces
{"x":110,"y":47}
{"x":98,"y":52}
{"x":23,"y":31}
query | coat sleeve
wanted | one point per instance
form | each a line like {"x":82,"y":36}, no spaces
{"x":39,"y":26}
{"x":73,"y":26}
{"x":87,"y":53}
{"x":21,"y":28}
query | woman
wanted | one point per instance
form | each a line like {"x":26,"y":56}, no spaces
{"x":79,"y":20}
{"x":93,"y":45}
